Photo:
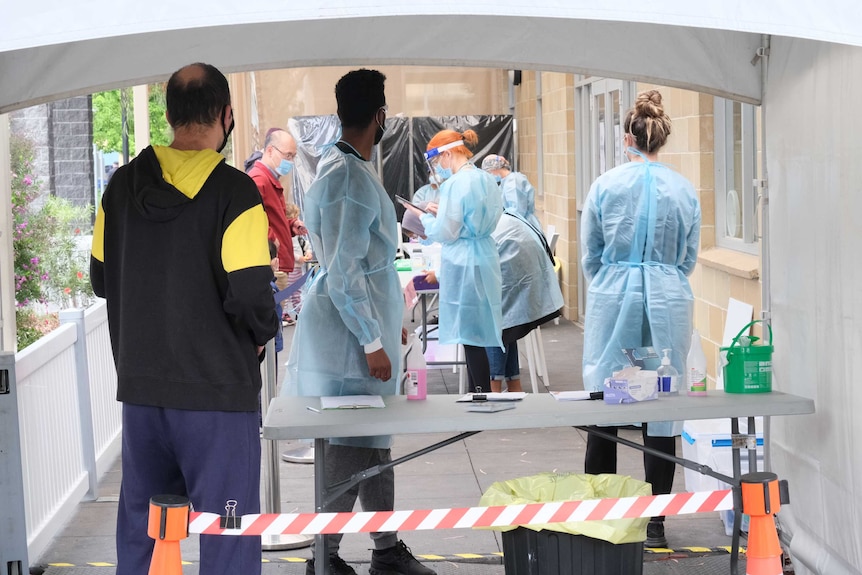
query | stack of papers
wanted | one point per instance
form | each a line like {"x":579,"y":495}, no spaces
{"x":351,"y":402}
{"x":502,"y":396}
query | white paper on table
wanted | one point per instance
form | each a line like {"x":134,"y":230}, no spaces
{"x":571,"y":395}
{"x":500,"y":396}
{"x":739,"y":314}
{"x":351,"y":402}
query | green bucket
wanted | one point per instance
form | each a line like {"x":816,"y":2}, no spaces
{"x":749,"y":367}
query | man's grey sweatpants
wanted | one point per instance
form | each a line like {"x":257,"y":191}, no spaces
{"x":375,"y":493}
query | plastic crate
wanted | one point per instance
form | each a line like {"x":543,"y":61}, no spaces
{"x":708,"y":441}
{"x":528,"y":552}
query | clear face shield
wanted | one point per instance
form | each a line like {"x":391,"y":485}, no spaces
{"x":432,"y":158}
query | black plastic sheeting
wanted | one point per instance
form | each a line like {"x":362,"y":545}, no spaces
{"x":402,"y":163}
{"x":495,"y":137}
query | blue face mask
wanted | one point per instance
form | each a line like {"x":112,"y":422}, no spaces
{"x":284,"y":167}
{"x":444,"y":173}
{"x":497,"y":178}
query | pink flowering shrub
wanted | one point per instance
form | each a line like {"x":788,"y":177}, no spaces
{"x":46,"y":259}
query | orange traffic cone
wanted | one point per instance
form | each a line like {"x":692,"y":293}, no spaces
{"x":168,"y":524}
{"x":761,"y":500}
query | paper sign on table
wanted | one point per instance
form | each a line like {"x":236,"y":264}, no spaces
{"x":351,"y":402}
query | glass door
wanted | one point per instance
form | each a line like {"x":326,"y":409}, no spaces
{"x":601,"y":106}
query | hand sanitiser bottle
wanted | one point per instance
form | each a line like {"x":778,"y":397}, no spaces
{"x":668,"y":377}
{"x":695,"y":365}
{"x":416,"y":383}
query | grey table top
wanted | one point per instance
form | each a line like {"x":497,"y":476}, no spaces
{"x":289,"y":418}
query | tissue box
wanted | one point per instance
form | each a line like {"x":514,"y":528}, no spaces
{"x":631,"y":387}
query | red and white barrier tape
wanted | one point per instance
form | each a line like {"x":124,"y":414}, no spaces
{"x":498,"y":516}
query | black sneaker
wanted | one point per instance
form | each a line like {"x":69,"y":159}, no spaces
{"x":337,"y":566}
{"x":655,"y":535}
{"x":397,"y":560}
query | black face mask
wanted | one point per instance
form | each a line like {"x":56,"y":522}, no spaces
{"x":381,"y":128}
{"x":226,"y":132}
{"x":378,"y":135}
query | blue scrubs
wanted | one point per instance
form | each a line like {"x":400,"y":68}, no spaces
{"x":639,"y":235}
{"x":355,"y":299}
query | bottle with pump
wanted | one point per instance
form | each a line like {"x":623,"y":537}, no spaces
{"x":668,"y":377}
{"x":695,"y":366}
{"x":415,"y":383}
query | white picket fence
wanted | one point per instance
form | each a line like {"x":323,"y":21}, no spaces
{"x":69,"y":420}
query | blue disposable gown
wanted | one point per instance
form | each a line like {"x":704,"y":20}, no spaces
{"x":356,"y":296}
{"x":470,"y":285}
{"x":639,"y":234}
{"x":531,"y":290}
{"x":427,"y":193}
{"x":520,"y":196}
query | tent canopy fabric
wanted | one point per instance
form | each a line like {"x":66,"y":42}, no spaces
{"x":57,"y":49}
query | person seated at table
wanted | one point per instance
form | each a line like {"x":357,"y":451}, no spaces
{"x":470,"y":286}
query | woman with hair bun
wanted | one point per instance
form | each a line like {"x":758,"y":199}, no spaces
{"x":639,"y":234}
{"x":470,"y":282}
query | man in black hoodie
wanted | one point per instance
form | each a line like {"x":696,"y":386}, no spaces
{"x":180,"y":254}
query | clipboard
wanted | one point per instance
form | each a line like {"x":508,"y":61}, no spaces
{"x":406,"y":202}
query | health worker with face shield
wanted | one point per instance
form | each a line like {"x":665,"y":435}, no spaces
{"x":640,"y":232}
{"x":518,"y":193}
{"x":470,"y":284}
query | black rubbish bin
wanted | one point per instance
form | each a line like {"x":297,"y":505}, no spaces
{"x":528,"y":552}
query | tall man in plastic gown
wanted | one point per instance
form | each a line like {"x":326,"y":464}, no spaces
{"x":348,"y":342}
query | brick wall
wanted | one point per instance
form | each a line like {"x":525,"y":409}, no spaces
{"x":62,"y":133}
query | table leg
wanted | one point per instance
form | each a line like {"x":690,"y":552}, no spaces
{"x":321,"y":546}
{"x":424,"y":302}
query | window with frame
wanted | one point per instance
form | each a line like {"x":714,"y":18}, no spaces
{"x":736,"y":195}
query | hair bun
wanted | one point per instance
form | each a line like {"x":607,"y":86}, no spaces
{"x":649,"y":104}
{"x":471,"y":138}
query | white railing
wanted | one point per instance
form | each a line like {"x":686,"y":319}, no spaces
{"x":69,"y":420}
{"x":107,"y":412}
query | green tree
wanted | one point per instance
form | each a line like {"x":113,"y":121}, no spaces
{"x":108,"y":123}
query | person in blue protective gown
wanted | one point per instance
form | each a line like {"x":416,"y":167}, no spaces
{"x":639,"y":234}
{"x":430,"y":192}
{"x":349,"y":331}
{"x":470,"y":285}
{"x":531,"y":293}
{"x":518,"y":193}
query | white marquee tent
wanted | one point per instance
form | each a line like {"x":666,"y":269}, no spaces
{"x":809,"y":91}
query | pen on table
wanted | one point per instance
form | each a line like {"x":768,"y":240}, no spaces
{"x":309,"y":408}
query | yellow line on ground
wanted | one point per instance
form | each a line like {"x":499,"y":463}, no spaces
{"x":468,"y":555}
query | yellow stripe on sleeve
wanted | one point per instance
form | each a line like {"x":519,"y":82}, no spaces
{"x":98,"y":249}
{"x":244,"y":244}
